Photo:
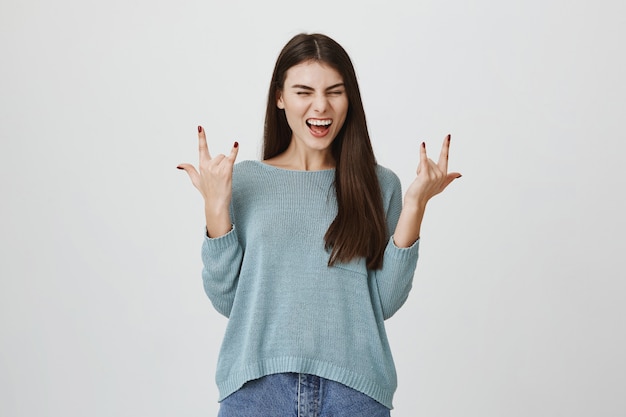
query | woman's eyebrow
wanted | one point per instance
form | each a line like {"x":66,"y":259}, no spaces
{"x":332,"y":87}
{"x":303,"y":87}
{"x":306,"y":87}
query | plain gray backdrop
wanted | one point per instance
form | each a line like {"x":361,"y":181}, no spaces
{"x":518,"y":306}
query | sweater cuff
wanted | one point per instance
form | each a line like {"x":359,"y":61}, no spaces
{"x":402,"y":253}
{"x":221,"y":242}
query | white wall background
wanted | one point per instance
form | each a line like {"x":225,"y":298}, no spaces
{"x":518,"y":304}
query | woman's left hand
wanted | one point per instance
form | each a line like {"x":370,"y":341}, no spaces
{"x":432,"y":178}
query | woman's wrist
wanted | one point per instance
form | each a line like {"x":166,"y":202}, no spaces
{"x":217,"y":220}
{"x":409,"y":224}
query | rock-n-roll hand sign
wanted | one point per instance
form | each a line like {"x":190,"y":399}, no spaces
{"x":214,"y":179}
{"x":432,"y":178}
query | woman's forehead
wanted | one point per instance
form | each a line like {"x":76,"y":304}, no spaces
{"x":312,"y":74}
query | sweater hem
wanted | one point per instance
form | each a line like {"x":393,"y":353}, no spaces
{"x":322,"y":369}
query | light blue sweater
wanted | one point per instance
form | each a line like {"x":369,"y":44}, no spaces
{"x":288,"y":310}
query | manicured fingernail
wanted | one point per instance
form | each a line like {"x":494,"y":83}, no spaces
{"x":199,"y":129}
{"x":449,"y":137}
{"x":236,"y":144}
{"x":424,"y":145}
{"x":459,"y":176}
{"x":179,"y":167}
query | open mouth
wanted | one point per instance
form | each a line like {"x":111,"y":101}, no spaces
{"x":319,"y":126}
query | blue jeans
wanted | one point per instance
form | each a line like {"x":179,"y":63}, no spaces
{"x":299,"y":395}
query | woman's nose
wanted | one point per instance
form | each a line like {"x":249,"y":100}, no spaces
{"x":320,"y":103}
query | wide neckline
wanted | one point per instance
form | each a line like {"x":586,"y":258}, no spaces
{"x":268,"y":166}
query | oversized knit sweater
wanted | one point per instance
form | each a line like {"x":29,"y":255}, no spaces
{"x":288,"y":310}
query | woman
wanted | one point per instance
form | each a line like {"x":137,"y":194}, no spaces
{"x":308,"y":251}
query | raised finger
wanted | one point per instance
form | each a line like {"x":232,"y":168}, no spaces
{"x":423,"y":158}
{"x":443,"y":156}
{"x":202,"y":146}
{"x":233,"y":152}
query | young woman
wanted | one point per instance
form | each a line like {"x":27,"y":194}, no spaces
{"x":308,"y":251}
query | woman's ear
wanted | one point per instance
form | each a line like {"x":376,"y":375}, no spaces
{"x":279,"y":100}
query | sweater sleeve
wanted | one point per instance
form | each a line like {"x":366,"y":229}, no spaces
{"x":221,"y":259}
{"x":395,"y":279}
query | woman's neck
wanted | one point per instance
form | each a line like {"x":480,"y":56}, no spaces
{"x":297,"y":159}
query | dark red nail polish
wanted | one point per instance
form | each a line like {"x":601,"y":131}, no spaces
{"x":180,"y":167}
{"x":449,"y":137}
{"x":236,"y":144}
{"x":199,"y":129}
{"x":424,"y":145}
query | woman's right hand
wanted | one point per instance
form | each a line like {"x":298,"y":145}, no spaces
{"x":214,"y":179}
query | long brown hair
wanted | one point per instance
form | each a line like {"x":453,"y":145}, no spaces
{"x":359,"y":229}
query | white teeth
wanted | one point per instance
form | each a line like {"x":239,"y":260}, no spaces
{"x":320,"y":122}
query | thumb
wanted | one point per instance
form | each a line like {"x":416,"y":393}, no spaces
{"x":191,"y":171}
{"x":451,"y":177}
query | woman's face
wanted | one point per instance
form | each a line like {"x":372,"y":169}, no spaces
{"x":315,"y":103}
